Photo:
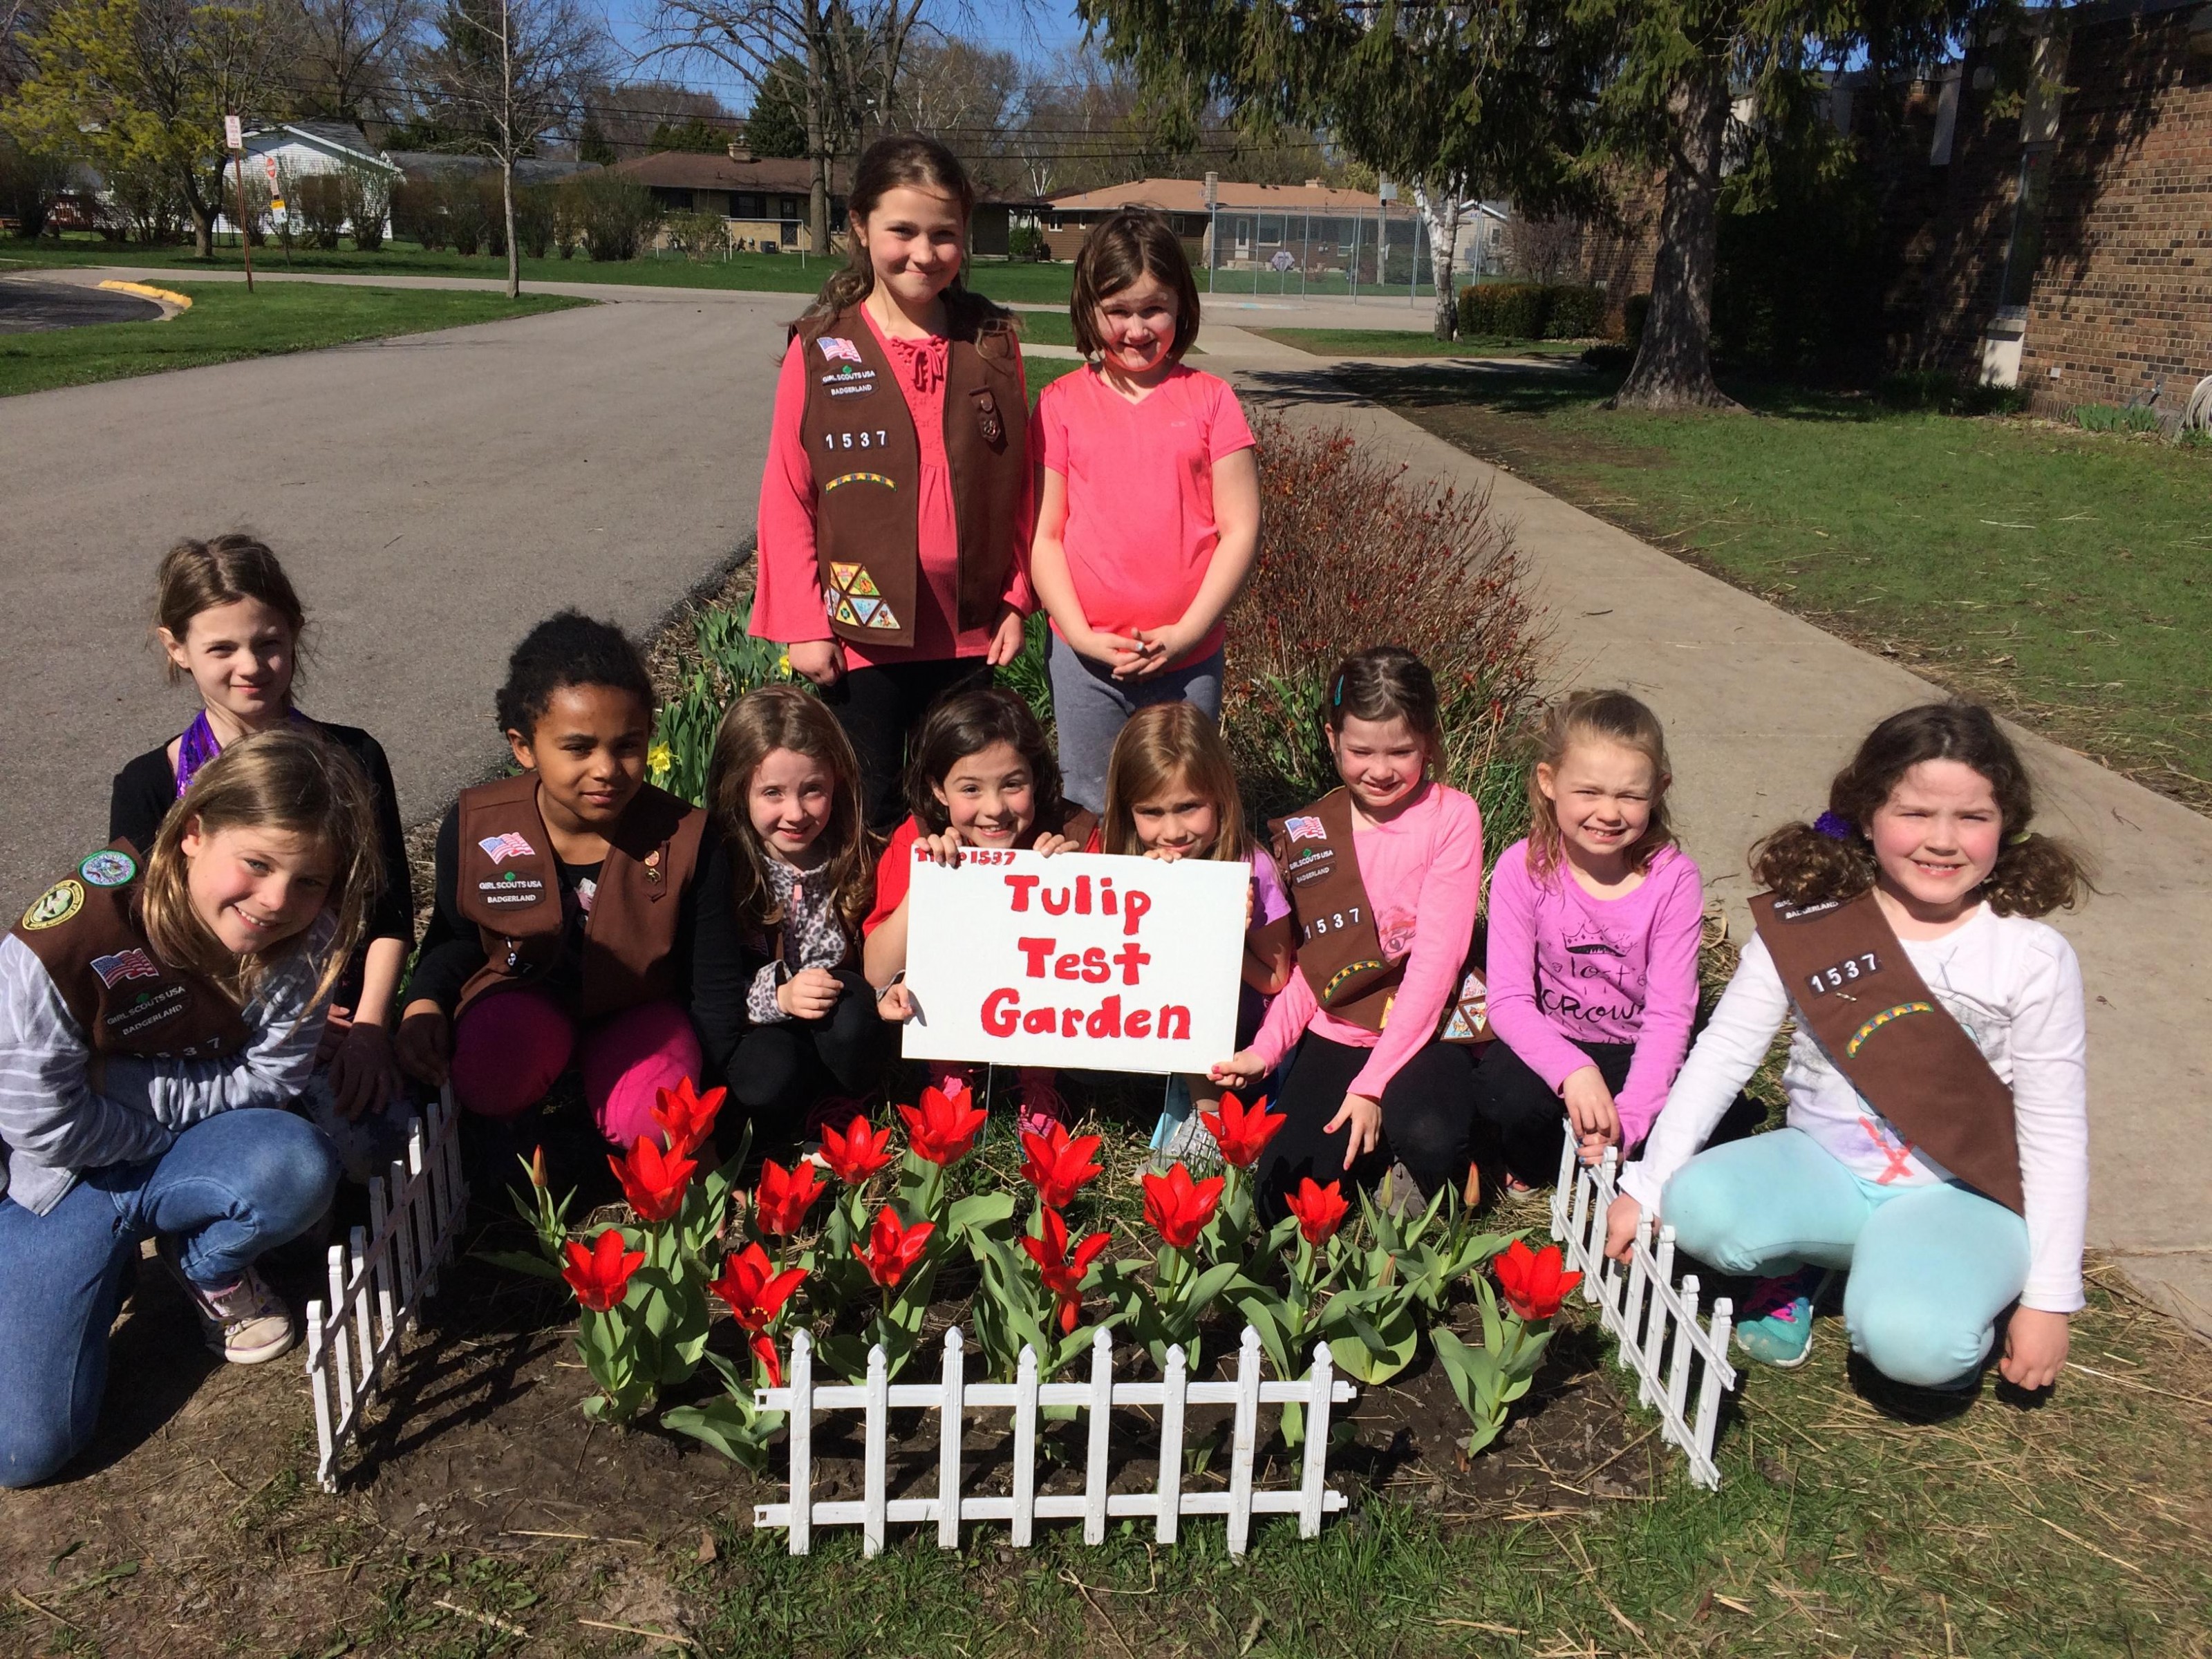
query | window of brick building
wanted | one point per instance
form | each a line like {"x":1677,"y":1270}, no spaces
{"x":2024,"y":252}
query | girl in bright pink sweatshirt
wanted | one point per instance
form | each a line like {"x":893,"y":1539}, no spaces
{"x":1384,"y":875}
{"x":1593,"y":950}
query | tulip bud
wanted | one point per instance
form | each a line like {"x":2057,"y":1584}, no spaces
{"x":538,"y":1168}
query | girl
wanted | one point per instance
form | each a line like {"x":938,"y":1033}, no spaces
{"x":777,"y":993}
{"x":1148,"y":512}
{"x":1171,"y":794}
{"x":895,"y":507}
{"x":982,"y":776}
{"x":1383,"y":874}
{"x":1937,"y":1141}
{"x":157,"y":1015}
{"x":227,"y":618}
{"x":1593,"y":950}
{"x":565,"y":899}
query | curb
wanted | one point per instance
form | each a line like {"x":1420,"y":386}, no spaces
{"x":169,"y":300}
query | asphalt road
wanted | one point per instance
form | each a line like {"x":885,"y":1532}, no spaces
{"x":27,"y":308}
{"x":432,"y":497}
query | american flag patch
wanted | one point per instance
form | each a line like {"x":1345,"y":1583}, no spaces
{"x":837,"y":350}
{"x":125,"y":964}
{"x":508,"y":846}
{"x":1305,"y":828}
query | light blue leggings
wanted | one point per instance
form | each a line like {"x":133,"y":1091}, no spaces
{"x":1931,"y":1267}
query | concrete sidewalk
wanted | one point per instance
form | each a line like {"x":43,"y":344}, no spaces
{"x":1762,"y":708}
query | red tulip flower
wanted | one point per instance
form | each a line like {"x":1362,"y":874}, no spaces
{"x":1536,"y":1282}
{"x":686,"y":1117}
{"x":858,"y":1153}
{"x":1242,"y":1134}
{"x":942,"y":1129}
{"x":893,"y":1247}
{"x":757,"y":1294}
{"x":599,"y":1274}
{"x":1063,"y":1274}
{"x":1059,"y":1164}
{"x":1178,"y":1208}
{"x":1319,"y":1209}
{"x":785,"y":1196}
{"x":652,"y":1180}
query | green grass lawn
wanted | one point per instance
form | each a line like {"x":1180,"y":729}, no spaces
{"x":1411,"y":342}
{"x":778,"y":273}
{"x":226,"y":323}
{"x":2063,"y":575}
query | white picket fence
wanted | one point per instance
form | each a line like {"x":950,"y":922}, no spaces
{"x":1642,"y":1306}
{"x":803,"y":1402}
{"x":379,"y":1277}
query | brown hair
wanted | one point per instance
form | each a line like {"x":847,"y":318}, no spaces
{"x":1383,"y":683}
{"x":966,"y":723}
{"x":907,"y":161}
{"x":1165,"y":743}
{"x":290,"y":778}
{"x":1125,"y":246}
{"x":197,"y":576}
{"x":784,"y":717}
{"x":1602,"y":717}
{"x":2034,"y":875}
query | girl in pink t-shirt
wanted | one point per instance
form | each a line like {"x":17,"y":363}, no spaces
{"x":1593,"y":952}
{"x":1148,"y":502}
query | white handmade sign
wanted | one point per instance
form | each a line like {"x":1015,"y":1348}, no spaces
{"x":1114,"y":964}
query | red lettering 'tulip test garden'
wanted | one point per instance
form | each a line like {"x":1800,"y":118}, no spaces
{"x":1078,"y":959}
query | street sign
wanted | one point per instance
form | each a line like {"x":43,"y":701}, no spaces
{"x":233,"y":135}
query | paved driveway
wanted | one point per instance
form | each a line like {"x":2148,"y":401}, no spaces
{"x":432,"y":496}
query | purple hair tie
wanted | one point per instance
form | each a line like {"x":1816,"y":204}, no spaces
{"x":1834,"y":826}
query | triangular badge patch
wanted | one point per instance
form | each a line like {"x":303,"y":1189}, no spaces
{"x":842,"y":575}
{"x":1458,"y":1027}
{"x":864,"y":583}
{"x":883,"y":618}
{"x":866,"y":609}
{"x":844,"y":613}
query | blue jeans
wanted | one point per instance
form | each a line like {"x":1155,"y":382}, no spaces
{"x":1089,"y":708}
{"x":1931,"y":1267}
{"x":227,"y":1190}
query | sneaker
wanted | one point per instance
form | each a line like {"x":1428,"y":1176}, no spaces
{"x":246,"y":1323}
{"x":1776,"y":1328}
{"x":1042,"y":1105}
{"x":1180,"y":1136}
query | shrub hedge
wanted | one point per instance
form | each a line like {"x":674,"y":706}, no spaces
{"x":1532,"y":310}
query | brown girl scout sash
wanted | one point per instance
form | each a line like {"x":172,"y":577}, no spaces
{"x":1339,"y":948}
{"x":509,"y":886}
{"x":862,"y":443}
{"x":84,"y":930}
{"x":1874,"y":1017}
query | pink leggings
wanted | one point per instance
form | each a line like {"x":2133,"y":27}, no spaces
{"x":510,"y":1045}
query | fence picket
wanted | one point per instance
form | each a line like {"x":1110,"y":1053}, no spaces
{"x":1101,"y":1423}
{"x":1025,"y":1421}
{"x":799,"y":1427}
{"x":948,"y":1446}
{"x":1173,"y":1387}
{"x":1313,"y":1477}
{"x":876,"y":1454}
{"x":1247,"y":1442}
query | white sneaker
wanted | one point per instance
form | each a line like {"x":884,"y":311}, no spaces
{"x":246,"y":1322}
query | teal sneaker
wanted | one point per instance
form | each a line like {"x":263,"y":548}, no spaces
{"x":1776,"y":1328}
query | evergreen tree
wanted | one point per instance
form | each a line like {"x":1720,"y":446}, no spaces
{"x":776,"y":125}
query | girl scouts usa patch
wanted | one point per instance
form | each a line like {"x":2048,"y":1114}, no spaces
{"x":109,"y":868}
{"x":54,"y":907}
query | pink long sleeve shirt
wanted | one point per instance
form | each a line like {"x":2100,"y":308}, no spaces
{"x":1565,"y":966}
{"x":787,"y":593}
{"x":1423,"y":872}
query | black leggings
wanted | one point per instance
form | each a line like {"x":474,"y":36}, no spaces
{"x":777,"y":1072}
{"x":1426,"y":1109}
{"x":1522,"y":1121}
{"x":879,"y":709}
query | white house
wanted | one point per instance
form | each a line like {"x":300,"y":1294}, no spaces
{"x":292,"y":149}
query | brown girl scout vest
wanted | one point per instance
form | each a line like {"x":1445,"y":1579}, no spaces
{"x":861,"y":442}
{"x":509,"y":886}
{"x":1340,"y":948}
{"x":84,"y":930}
{"x":1874,"y":1017}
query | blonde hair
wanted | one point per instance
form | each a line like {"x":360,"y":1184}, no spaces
{"x":760,"y":722}
{"x":1598,"y":717}
{"x":196,"y":576}
{"x":290,"y":779}
{"x":1164,"y":745}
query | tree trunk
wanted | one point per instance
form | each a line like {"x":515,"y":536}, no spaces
{"x":514,"y":253}
{"x":1443,"y":248}
{"x":1673,"y":367}
{"x":818,"y":163}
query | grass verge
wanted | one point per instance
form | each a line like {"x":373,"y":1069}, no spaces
{"x":1412,"y":343}
{"x":2062,"y":576}
{"x":227,"y":322}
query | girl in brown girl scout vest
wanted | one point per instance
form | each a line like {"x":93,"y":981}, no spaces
{"x":786,"y":1017}
{"x":565,"y":901}
{"x":1384,"y":874}
{"x":158,"y":1015}
{"x":895,"y":507}
{"x":983,"y":776}
{"x":1937,"y":1143}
